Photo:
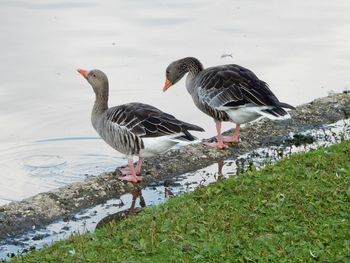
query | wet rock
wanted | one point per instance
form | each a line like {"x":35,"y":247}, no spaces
{"x":15,"y":242}
{"x":300,"y":139}
{"x":45,"y":208}
{"x":11,"y":255}
{"x":39,"y":236}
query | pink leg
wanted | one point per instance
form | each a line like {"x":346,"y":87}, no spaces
{"x":220,"y":144}
{"x":126,"y":170}
{"x":132,"y":176}
{"x":139,"y":164}
{"x":236,"y":133}
{"x":235,"y":137}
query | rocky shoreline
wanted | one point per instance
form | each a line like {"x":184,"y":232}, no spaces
{"x":18,"y":217}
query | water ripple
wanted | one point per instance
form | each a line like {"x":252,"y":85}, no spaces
{"x":43,"y":161}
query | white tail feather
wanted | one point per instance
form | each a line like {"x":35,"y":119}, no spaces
{"x":247,"y":113}
{"x":270,"y":116}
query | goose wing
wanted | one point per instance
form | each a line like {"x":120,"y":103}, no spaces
{"x":233,"y":86}
{"x":145,"y":120}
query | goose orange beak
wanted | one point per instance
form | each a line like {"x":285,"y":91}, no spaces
{"x":167,"y":85}
{"x":83,"y":72}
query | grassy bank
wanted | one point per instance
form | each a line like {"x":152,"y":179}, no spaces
{"x":297,"y":210}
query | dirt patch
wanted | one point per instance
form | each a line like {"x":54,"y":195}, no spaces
{"x":44,"y":208}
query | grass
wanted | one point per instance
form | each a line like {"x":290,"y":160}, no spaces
{"x":295,"y":211}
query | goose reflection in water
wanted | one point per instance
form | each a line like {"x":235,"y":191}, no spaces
{"x":121,"y":215}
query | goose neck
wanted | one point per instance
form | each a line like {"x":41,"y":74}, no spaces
{"x":193,"y":66}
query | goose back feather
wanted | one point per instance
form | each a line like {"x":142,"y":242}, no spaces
{"x":132,"y":127}
{"x":232,"y":92}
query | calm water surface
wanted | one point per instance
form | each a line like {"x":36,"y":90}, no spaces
{"x":301,"y":48}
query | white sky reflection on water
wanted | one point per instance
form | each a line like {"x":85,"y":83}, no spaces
{"x":301,"y":48}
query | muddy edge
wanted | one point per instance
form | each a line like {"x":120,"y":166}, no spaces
{"x":44,"y":208}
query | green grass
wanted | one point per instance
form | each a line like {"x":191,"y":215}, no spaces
{"x":295,"y":211}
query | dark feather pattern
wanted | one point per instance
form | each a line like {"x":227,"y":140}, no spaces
{"x":145,"y":120}
{"x":233,"y":85}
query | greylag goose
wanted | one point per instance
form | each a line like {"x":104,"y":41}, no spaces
{"x":134,"y":129}
{"x":226,"y":93}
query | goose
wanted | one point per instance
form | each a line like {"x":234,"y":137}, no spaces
{"x":226,"y":93}
{"x":134,"y":129}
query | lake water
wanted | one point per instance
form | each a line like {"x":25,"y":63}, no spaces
{"x":301,"y":48}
